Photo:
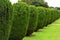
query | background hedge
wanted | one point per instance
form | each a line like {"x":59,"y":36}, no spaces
{"x":5,"y":19}
{"x":33,"y":20}
{"x":41,"y":18}
{"x":20,"y":22}
{"x":22,"y":19}
{"x":46,"y":16}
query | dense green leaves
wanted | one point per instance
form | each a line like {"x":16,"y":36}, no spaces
{"x":22,"y":19}
{"x":46,"y":16}
{"x":36,"y":2}
{"x":33,"y":20}
{"x":5,"y":19}
{"x":20,"y":22}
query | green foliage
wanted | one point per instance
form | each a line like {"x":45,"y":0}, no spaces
{"x":21,"y":19}
{"x":41,"y":18}
{"x":20,"y":22}
{"x":51,"y":32}
{"x":47,"y":16}
{"x":36,"y":2}
{"x":5,"y":19}
{"x":33,"y":20}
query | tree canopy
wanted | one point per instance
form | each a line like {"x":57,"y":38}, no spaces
{"x":36,"y":2}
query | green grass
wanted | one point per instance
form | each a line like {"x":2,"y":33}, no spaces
{"x":51,"y":32}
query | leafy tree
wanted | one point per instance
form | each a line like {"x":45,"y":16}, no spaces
{"x":36,"y":2}
{"x":57,"y":8}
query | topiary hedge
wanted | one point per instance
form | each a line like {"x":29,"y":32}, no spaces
{"x":20,"y":21}
{"x":33,"y":20}
{"x":5,"y":19}
{"x":41,"y":20}
{"x":46,"y":16}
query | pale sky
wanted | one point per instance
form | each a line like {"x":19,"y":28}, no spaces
{"x":14,"y":1}
{"x":53,"y":3}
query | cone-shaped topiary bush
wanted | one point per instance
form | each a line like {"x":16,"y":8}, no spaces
{"x":5,"y":19}
{"x":33,"y":20}
{"x":20,"y":21}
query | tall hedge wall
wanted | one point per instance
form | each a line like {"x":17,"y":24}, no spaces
{"x":5,"y":19}
{"x":20,"y":21}
{"x":33,"y":20}
{"x":47,"y":16}
{"x":41,"y":18}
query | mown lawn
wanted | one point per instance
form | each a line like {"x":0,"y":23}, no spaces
{"x":51,"y":32}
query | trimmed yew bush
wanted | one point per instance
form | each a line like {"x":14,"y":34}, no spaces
{"x":46,"y":16}
{"x":5,"y":19}
{"x":20,"y":21}
{"x":41,"y":18}
{"x":33,"y":20}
